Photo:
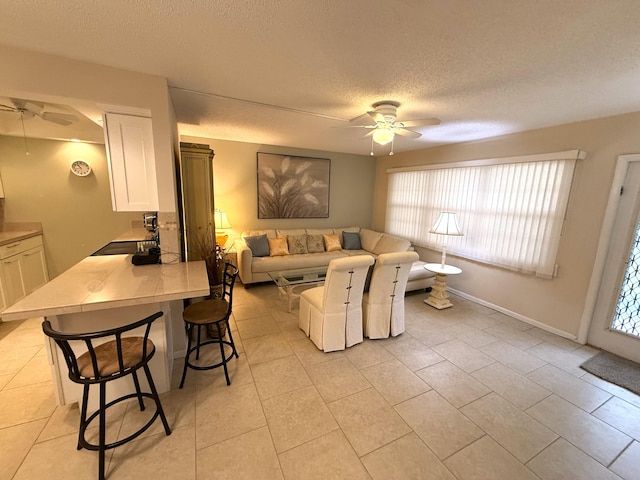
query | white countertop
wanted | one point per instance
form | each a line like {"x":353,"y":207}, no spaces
{"x":8,"y":236}
{"x":111,"y":281}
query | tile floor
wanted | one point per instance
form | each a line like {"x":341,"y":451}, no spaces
{"x":465,"y":393}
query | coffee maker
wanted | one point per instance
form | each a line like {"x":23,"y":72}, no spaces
{"x":149,"y":250}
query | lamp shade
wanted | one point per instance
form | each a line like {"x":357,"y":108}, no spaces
{"x":447,"y":224}
{"x":220,"y":220}
{"x":382,"y":136}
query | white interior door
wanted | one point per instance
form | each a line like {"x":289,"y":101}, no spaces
{"x":615,"y":326}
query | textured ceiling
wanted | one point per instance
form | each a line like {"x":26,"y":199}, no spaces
{"x":485,"y":68}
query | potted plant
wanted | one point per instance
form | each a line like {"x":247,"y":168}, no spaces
{"x":204,"y":247}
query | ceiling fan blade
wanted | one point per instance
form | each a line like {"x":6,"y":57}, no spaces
{"x":405,"y":132}
{"x":59,"y":118}
{"x":361,"y":120}
{"x":369,"y":134}
{"x":34,"y":107}
{"x":7,"y":108}
{"x":377,"y":116}
{"x":420,"y":123}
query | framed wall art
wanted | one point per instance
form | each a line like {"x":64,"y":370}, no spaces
{"x":293,"y":187}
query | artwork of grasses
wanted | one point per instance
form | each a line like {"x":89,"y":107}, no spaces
{"x":293,"y":187}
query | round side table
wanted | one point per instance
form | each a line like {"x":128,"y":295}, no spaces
{"x":439,"y":298}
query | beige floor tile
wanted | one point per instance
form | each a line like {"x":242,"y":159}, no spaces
{"x":59,"y":458}
{"x":35,"y":371}
{"x":297,"y":417}
{"x":337,"y":379}
{"x":514,"y":430}
{"x":249,"y":456}
{"x":591,"y":435}
{"x":247,"y":310}
{"x":480,"y":320}
{"x":280,"y":376}
{"x":25,"y":337}
{"x":511,"y":322}
{"x":561,"y":358}
{"x":238,"y":368}
{"x":368,"y":421}
{"x":554,"y":339}
{"x":613,"y":389}
{"x":513,"y":357}
{"x":563,"y":461}
{"x":15,"y":358}
{"x":157,"y":456}
{"x":407,"y":458}
{"x":327,"y":457}
{"x":291,"y":330}
{"x":16,"y":443}
{"x":471,"y":335}
{"x":627,"y":465}
{"x":257,"y":327}
{"x":572,"y":389}
{"x":621,"y":415}
{"x":441,"y":426}
{"x":512,"y":386}
{"x":225,"y":413}
{"x":413,"y":353}
{"x":431,"y":335}
{"x":453,"y":383}
{"x":367,"y":353}
{"x":395,"y":382}
{"x":26,"y":404}
{"x":309,"y":354}
{"x":513,"y":336}
{"x":267,"y":347}
{"x":484,"y":460}
{"x":463,"y":356}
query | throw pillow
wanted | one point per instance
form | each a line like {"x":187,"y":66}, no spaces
{"x":297,"y":244}
{"x":278,"y":246}
{"x":258,"y":244}
{"x":315,"y":244}
{"x":351,"y":241}
{"x":331,"y":242}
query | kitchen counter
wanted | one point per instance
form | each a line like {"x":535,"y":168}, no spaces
{"x":7,"y":237}
{"x":111,"y":281}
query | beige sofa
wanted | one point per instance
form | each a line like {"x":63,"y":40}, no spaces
{"x":254,"y":269}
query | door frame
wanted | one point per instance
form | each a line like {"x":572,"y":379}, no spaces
{"x":604,"y":242}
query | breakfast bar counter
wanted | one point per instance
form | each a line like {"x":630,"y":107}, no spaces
{"x":103,"y":292}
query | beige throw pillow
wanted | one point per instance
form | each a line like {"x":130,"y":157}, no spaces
{"x":315,"y":244}
{"x":278,"y":247}
{"x":332,"y":242}
{"x":297,"y":244}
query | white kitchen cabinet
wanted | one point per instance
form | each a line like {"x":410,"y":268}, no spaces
{"x":23,"y":268}
{"x":132,"y":169}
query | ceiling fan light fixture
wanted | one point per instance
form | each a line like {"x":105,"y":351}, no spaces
{"x":382,"y":136}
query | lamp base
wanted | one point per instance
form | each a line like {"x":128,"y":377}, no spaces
{"x":221,"y":239}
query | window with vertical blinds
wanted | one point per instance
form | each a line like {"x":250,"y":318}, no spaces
{"x":511,"y":210}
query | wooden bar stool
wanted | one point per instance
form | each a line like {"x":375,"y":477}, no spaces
{"x":103,"y":362}
{"x":212,"y":315}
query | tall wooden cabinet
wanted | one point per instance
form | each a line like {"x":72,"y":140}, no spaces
{"x":196,"y":171}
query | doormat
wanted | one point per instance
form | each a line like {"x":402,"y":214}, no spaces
{"x":615,"y":369}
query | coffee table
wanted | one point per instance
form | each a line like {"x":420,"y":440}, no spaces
{"x":293,"y":282}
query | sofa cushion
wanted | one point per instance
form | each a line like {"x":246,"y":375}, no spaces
{"x":291,"y":262}
{"x":351,"y":241}
{"x":255,"y":233}
{"x":293,"y":231}
{"x":315,"y":244}
{"x":297,"y":244}
{"x":319,"y":231}
{"x":277,"y":247}
{"x":332,"y":242}
{"x":389,"y":244}
{"x":369,"y":239}
{"x":259,"y":245}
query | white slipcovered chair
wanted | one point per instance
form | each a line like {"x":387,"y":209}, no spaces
{"x":332,"y":314}
{"x":383,"y":304}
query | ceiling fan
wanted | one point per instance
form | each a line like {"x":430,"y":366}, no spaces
{"x":386,"y":126}
{"x":30,"y":109}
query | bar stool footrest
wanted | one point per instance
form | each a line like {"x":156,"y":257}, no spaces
{"x":219,"y":364}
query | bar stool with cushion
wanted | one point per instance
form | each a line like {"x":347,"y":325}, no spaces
{"x":102,"y":362}
{"x":212,"y":316}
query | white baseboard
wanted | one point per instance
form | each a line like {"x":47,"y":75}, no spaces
{"x":530,"y":321}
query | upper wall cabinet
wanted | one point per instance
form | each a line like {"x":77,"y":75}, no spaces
{"x":132,"y":169}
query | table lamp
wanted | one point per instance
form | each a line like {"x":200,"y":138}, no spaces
{"x":221,"y":223}
{"x":447,"y":224}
